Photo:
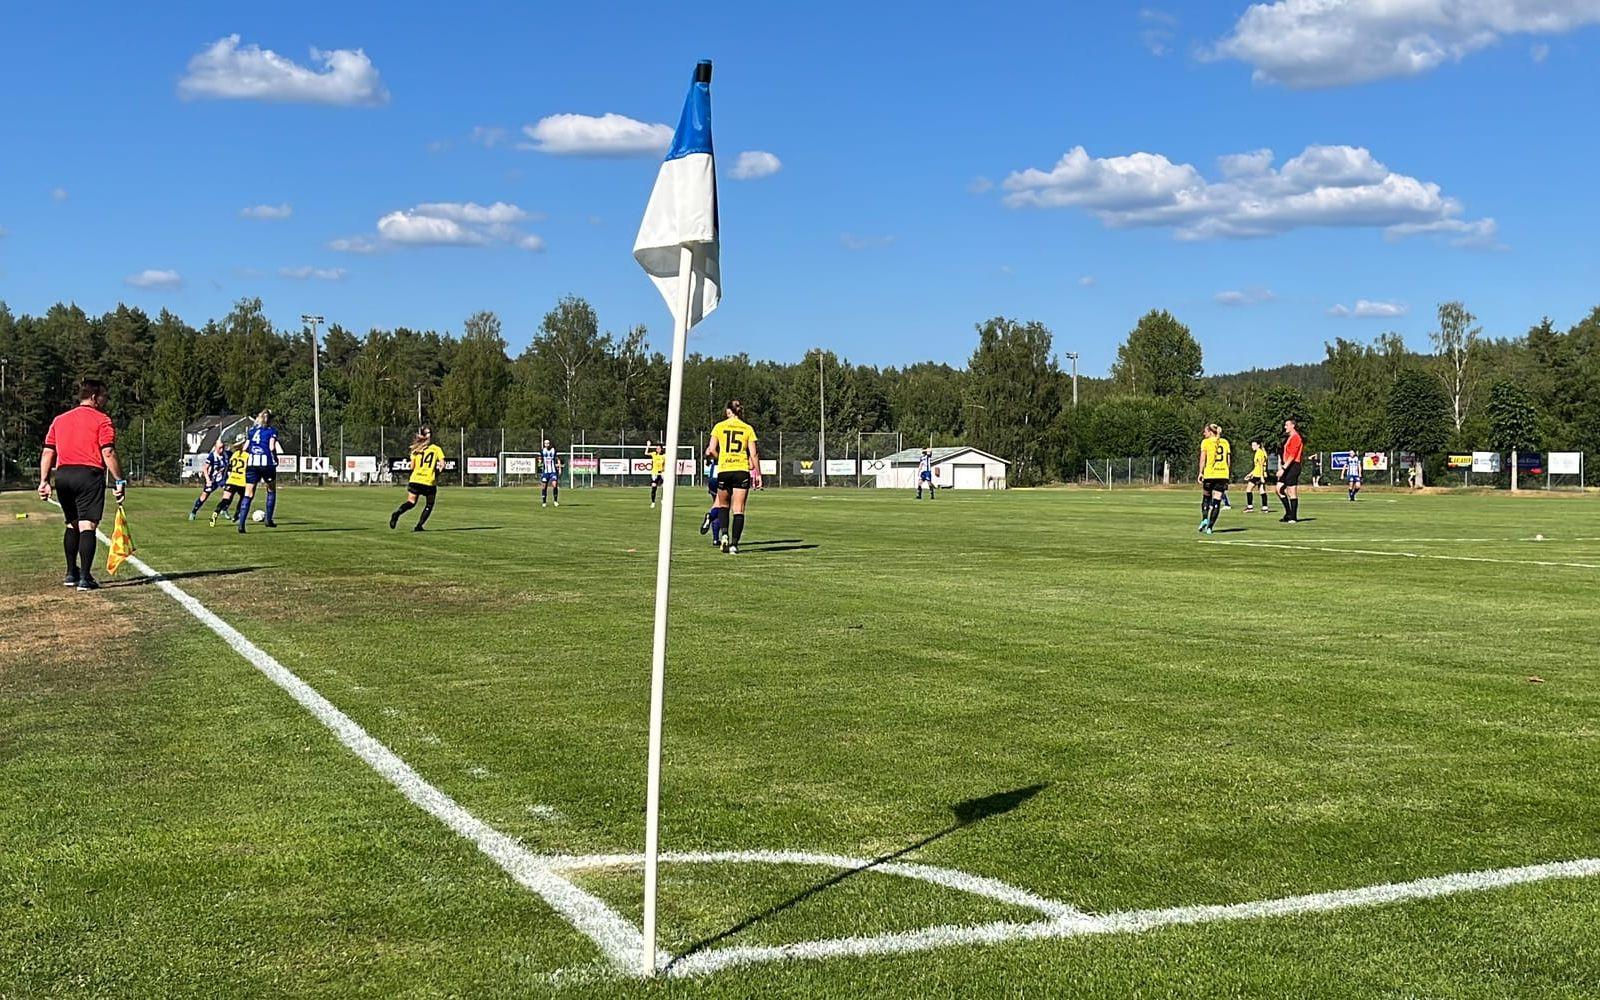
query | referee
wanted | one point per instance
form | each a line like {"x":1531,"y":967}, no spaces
{"x":79,"y":447}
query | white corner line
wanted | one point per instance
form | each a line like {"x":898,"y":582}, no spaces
{"x":620,"y":941}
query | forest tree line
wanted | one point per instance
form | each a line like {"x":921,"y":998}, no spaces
{"x":1460,"y":391}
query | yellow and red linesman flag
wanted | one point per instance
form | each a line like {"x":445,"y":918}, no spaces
{"x":121,"y":542}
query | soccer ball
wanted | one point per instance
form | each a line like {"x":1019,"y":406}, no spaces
{"x":259,"y":516}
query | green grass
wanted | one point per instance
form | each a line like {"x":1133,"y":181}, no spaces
{"x":1212,"y":723}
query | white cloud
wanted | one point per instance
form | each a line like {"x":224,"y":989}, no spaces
{"x":851,"y":241}
{"x":1329,"y":43}
{"x":1087,"y":281}
{"x":438,"y":145}
{"x":1159,"y":31}
{"x":59,"y":194}
{"x":488,"y":136}
{"x":754,"y":164}
{"x":1246,"y":297}
{"x":1370,"y":309}
{"x":1539,"y":52}
{"x":1478,"y":234}
{"x":320,"y":273}
{"x":587,"y":135}
{"x":980,"y":185}
{"x":282,"y":211}
{"x":446,"y":224}
{"x":227,"y":71}
{"x":154,"y":279}
{"x":1323,"y":186}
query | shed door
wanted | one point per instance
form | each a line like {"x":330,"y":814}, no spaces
{"x":969,"y":477}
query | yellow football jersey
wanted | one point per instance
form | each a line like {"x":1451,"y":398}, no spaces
{"x":1259,"y":470}
{"x":425,"y":465}
{"x":658,"y":463}
{"x":1216,"y":459}
{"x":734,"y":438}
{"x":236,"y":466}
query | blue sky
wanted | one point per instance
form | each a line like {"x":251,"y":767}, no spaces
{"x":1411,"y":163}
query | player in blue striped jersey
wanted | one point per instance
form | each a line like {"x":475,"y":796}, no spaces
{"x":711,"y":522}
{"x":261,"y":466}
{"x":925,"y":472}
{"x":549,"y":474}
{"x":213,"y":473}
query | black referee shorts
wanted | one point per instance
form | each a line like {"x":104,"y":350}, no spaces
{"x":81,"y":489}
{"x":1289,"y":475}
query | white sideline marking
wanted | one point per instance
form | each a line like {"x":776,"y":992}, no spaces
{"x":621,"y":942}
{"x":1401,"y":555}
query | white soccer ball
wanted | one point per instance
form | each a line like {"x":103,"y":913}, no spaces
{"x":259,"y":516}
{"x":1538,"y":538}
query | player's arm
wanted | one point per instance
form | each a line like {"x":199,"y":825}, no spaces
{"x":712,"y":449}
{"x":47,"y":464}
{"x":755,"y":465}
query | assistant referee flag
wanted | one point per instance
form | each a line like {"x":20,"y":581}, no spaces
{"x":121,"y":542}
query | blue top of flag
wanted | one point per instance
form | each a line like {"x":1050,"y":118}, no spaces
{"x":694,"y":127}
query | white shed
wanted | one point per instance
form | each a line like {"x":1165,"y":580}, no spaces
{"x":961,"y":468}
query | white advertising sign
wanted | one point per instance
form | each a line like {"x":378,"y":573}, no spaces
{"x":357,"y":466}
{"x":193,"y":464}
{"x":288,"y":463}
{"x":1486,"y":461}
{"x":639,"y":466}
{"x":522,"y":465}
{"x":1375,"y":461}
{"x":315,"y":464}
{"x":1566,"y":463}
{"x":613,"y":467}
{"x":841,"y":467}
{"x":686,"y":467}
{"x":873,"y":466}
{"x":482,"y":465}
{"x":769,"y":467}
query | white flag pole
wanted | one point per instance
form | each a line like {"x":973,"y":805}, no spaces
{"x":658,"y":651}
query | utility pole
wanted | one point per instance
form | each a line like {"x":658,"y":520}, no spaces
{"x":822,"y":427}
{"x":316,"y":384}
{"x":4,"y":362}
{"x":419,"y":406}
{"x":1072,"y":356}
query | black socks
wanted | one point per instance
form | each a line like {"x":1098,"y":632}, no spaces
{"x":86,"y":543}
{"x":427,"y":508}
{"x":738,"y":527}
{"x":70,"y":544}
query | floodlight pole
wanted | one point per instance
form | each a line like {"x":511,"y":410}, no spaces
{"x":822,"y":426}
{"x":1072,"y":356}
{"x":316,"y":383}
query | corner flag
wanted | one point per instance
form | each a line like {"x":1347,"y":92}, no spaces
{"x":678,"y":248}
{"x":682,"y":213}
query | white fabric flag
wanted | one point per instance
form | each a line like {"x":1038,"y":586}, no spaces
{"x":683,"y":210}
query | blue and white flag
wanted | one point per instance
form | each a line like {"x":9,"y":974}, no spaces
{"x":683,"y":211}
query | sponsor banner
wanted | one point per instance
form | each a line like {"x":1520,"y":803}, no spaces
{"x":805,"y":467}
{"x":404,"y":465}
{"x":522,"y":465}
{"x":769,"y":467}
{"x":639,"y":466}
{"x":1459,"y":462}
{"x":614,"y":466}
{"x":482,"y":465}
{"x":1486,"y":461}
{"x":1407,"y":460}
{"x":288,"y":463}
{"x":873,"y":466}
{"x":356,"y":466}
{"x":586,"y":464}
{"x":316,"y":465}
{"x":1530,"y":463}
{"x":1338,"y":461}
{"x":841,"y":467}
{"x":1566,"y":463}
{"x":1375,"y":461}
{"x":686,"y":467}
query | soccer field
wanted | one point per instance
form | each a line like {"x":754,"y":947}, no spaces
{"x":1049,"y":727}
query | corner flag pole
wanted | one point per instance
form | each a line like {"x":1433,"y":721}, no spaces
{"x":658,"y":650}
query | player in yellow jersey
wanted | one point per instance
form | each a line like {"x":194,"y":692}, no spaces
{"x":427,"y":459}
{"x":1257,"y":479}
{"x":658,"y":470}
{"x":235,"y":485}
{"x":733,"y":449}
{"x":1216,"y":460}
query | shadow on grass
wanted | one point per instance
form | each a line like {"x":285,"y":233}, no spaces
{"x":965,"y":813}
{"x":310,"y":530}
{"x":776,"y":541}
{"x":192,"y":574}
{"x":475,"y":527}
{"x":756,"y":550}
{"x":1228,"y":531}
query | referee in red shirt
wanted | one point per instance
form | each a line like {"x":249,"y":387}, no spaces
{"x":1294,"y":450}
{"x":79,"y":447}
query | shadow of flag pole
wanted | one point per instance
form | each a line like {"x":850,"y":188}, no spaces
{"x":678,"y":248}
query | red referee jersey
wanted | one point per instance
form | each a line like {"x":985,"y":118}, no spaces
{"x":78,"y":435}
{"x":1294,"y":448}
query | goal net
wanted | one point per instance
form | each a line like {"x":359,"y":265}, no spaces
{"x":598,"y":465}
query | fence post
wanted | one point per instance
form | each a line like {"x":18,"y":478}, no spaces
{"x":780,"y":458}
{"x":341,"y":450}
{"x":463,"y":456}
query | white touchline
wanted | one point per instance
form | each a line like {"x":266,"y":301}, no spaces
{"x":1401,"y":555}
{"x":619,"y":940}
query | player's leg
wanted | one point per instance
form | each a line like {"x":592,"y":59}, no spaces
{"x":251,"y":477}
{"x":410,"y":502}
{"x":272,"y":498}
{"x":427,"y":508}
{"x":1216,"y":509}
{"x":737,"y":502}
{"x":199,"y":501}
{"x":654,"y":483}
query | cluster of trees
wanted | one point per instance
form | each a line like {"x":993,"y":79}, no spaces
{"x":1465,"y":391}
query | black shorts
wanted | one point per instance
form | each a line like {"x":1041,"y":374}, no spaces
{"x":657,"y":480}
{"x":233,"y":490}
{"x":422,"y":489}
{"x":81,"y":490}
{"x":1289,"y":475}
{"x":733,"y":481}
{"x":1214,"y":485}
{"x":1255,"y":480}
